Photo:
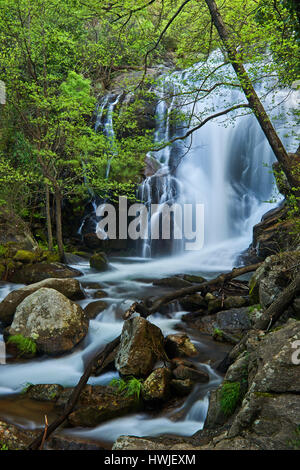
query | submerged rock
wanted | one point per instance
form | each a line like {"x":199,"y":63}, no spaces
{"x":68,"y":287}
{"x":38,"y":272}
{"x":50,"y":319}
{"x":94,"y":308}
{"x":141,"y":346}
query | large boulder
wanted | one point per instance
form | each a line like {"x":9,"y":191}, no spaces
{"x":40,"y":271}
{"x":141,"y":346}
{"x":68,"y":287}
{"x":54,"y":322}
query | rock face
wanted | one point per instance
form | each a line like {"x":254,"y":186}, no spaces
{"x":273,"y":276}
{"x":13,"y":438}
{"x":13,"y":229}
{"x":235,"y":322}
{"x":141,"y":345}
{"x":54,"y":322}
{"x":40,"y":271}
{"x":268,"y":416}
{"x":68,"y":287}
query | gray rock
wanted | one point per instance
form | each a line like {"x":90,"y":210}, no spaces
{"x":38,"y":272}
{"x":156,"y":388}
{"x":68,"y":287}
{"x":54,"y":322}
{"x":141,"y":345}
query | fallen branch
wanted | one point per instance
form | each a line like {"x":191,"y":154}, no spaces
{"x":147,"y":308}
{"x":277,"y":308}
{"x":101,"y":356}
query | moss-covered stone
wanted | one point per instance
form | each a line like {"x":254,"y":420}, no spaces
{"x":99,"y":261}
{"x":25,"y":256}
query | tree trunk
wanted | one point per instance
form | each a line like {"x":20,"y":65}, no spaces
{"x":252,"y":97}
{"x":48,"y":218}
{"x":59,"y":236}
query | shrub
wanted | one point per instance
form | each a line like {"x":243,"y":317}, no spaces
{"x":130,"y":388}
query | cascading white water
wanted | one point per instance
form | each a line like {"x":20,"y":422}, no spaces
{"x":225,"y":167}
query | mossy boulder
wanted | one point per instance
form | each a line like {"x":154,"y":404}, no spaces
{"x":54,"y":322}
{"x":99,"y":261}
{"x":156,"y":388}
{"x":68,"y":287}
{"x":26,"y":256}
{"x":30,"y":274}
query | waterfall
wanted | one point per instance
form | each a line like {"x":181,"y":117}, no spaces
{"x":225,"y":165}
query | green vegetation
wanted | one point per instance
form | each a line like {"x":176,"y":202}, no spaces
{"x":230,"y":397}
{"x":218,"y":334}
{"x":3,"y":446}
{"x":131,"y":388}
{"x":25,"y":346}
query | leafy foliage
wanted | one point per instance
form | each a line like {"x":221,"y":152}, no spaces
{"x":230,"y":396}
{"x":25,"y":345}
{"x":131,"y":387}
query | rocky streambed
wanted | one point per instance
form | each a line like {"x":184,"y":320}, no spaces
{"x":166,"y":377}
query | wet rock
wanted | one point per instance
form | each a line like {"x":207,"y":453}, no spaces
{"x":193,"y":302}
{"x":235,"y":322}
{"x":179,"y":345}
{"x":44,"y":392}
{"x":99,"y":294}
{"x":68,"y":287}
{"x":235,"y":302}
{"x":99,"y":261}
{"x":93,"y":309}
{"x":214,"y":306}
{"x":157,"y":386}
{"x":98,"y":404}
{"x":38,"y":272}
{"x":26,"y":256}
{"x":273,"y":276}
{"x":175,"y":282}
{"x":151,"y":166}
{"x":274,"y":233}
{"x":137,"y":443}
{"x":141,"y":346}
{"x":72,"y":443}
{"x":49,"y":318}
{"x":13,"y":438}
{"x":182,"y":373}
{"x":182,"y":387}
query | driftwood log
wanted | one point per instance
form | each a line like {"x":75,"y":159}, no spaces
{"x":147,"y":308}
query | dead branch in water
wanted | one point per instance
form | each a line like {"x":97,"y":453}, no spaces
{"x":100,"y":356}
{"x":146,"y":308}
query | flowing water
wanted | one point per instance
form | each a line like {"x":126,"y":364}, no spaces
{"x":226,"y":168}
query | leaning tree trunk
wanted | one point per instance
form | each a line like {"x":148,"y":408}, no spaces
{"x":59,"y":235}
{"x":254,"y":102}
{"x":48,"y":218}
